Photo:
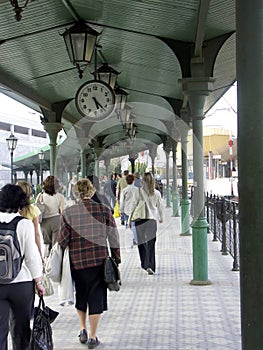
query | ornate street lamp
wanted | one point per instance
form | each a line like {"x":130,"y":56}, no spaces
{"x":11,"y":144}
{"x":107,"y":74}
{"x":121,"y":98}
{"x":124,"y":116}
{"x":41,"y":156}
{"x":80,"y":41}
{"x":18,"y":8}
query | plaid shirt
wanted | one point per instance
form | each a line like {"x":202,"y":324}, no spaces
{"x":84,"y":231}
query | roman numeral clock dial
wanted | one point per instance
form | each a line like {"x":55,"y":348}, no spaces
{"x":95,"y":100}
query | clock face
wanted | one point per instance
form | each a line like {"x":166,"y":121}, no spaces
{"x":95,"y":100}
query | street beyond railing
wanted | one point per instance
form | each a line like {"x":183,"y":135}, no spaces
{"x":222,"y":217}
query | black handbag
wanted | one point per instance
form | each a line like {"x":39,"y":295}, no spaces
{"x":41,"y":335}
{"x":112,"y":274}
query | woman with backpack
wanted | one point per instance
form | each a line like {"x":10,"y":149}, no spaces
{"x":22,"y":275}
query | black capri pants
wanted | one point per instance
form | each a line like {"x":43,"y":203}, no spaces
{"x":16,"y":300}
{"x":91,"y":290}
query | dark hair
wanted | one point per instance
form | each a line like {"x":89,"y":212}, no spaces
{"x":129,"y":179}
{"x":51,"y":185}
{"x":126,"y":172}
{"x":12,"y":199}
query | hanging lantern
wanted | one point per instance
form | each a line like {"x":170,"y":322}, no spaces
{"x":121,"y":98}
{"x":80,"y":41}
{"x":124,"y":116}
{"x":107,"y":74}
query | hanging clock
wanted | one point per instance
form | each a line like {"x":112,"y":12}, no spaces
{"x":95,"y":100}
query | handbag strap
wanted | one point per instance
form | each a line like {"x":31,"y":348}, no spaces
{"x":105,"y":231}
{"x":40,"y":198}
{"x":141,"y":196}
{"x":41,"y":302}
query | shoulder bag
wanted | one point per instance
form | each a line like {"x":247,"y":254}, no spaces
{"x":140,"y":211}
{"x":54,"y":262}
{"x":41,"y":335}
{"x":112,"y":275}
{"x":41,"y":206}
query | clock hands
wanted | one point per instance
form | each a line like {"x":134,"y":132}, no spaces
{"x":98,"y":105}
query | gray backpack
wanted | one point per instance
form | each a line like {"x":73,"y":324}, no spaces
{"x":10,"y":253}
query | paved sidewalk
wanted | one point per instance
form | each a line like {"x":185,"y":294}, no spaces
{"x":164,"y":311}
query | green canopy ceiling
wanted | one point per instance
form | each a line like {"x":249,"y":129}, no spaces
{"x":150,"y":42}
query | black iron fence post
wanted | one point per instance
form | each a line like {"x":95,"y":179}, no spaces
{"x":207,"y":212}
{"x":223,"y":222}
{"x":235,"y":240}
{"x":214,"y":221}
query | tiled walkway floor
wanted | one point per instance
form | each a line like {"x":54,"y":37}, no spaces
{"x":164,"y":311}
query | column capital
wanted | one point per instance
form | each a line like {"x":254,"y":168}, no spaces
{"x":52,"y":129}
{"x":199,"y":85}
{"x":167,"y":145}
{"x":83,"y":142}
{"x":152,"y":149}
{"x":98,"y":151}
{"x":107,"y":161}
{"x":196,"y":90}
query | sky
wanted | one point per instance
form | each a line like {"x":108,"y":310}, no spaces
{"x":223,"y":114}
{"x":10,"y":108}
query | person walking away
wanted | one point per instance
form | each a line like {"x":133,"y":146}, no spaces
{"x":17,"y":296}
{"x":31,"y":212}
{"x":55,"y":204}
{"x":121,"y":184}
{"x":84,"y":227}
{"x":146,"y":228}
{"x":71,"y":189}
{"x":110,"y":190}
{"x":125,"y":203}
{"x":98,"y":196}
{"x":137,"y":180}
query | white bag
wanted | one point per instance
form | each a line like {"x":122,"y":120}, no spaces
{"x":128,"y":239}
{"x":66,"y":285}
{"x":53,"y":265}
{"x":47,"y":284}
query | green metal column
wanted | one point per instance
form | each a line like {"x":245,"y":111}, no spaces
{"x":83,"y":165}
{"x":132,"y":159}
{"x":52,"y":129}
{"x":249,"y":19}
{"x":175,"y":194}
{"x":185,"y":202}
{"x":153,"y":152}
{"x":82,"y":141}
{"x":107,"y":164}
{"x":167,"y":149}
{"x":197,"y":89}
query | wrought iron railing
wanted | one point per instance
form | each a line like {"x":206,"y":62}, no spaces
{"x":222,"y":217}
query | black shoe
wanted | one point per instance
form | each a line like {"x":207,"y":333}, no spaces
{"x":122,"y":222}
{"x":83,"y":336}
{"x":92,"y":343}
{"x":150,"y":271}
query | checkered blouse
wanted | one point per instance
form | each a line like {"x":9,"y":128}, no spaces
{"x":83,"y":229}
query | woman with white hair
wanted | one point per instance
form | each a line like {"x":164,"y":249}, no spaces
{"x":84,"y":229}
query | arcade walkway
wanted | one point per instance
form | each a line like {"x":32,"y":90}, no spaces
{"x":164,"y":311}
